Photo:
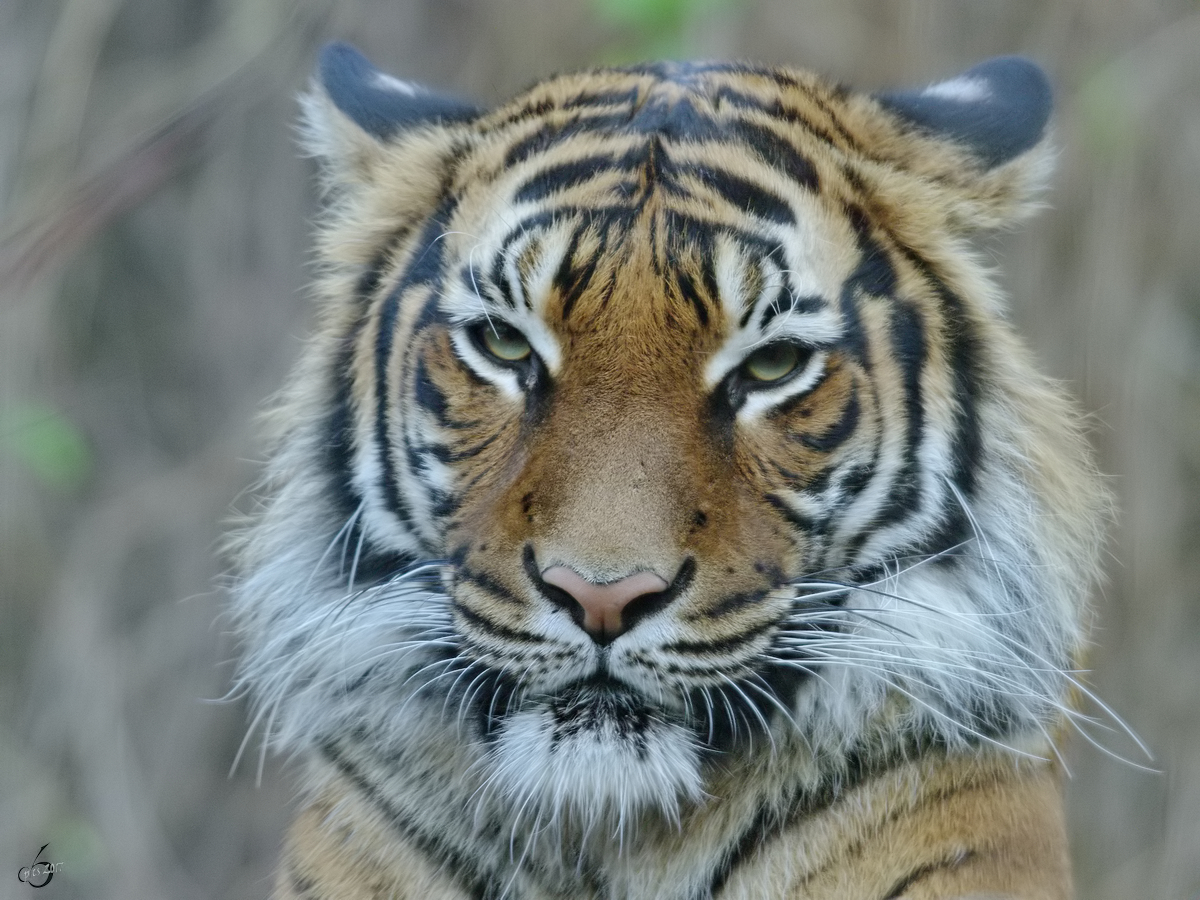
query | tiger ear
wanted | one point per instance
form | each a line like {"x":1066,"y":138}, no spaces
{"x":998,"y":109}
{"x":994,"y":117}
{"x":355,"y":112}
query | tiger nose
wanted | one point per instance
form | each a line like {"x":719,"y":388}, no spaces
{"x":602,"y":604}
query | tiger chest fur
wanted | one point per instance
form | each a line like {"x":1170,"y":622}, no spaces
{"x":664,"y":508}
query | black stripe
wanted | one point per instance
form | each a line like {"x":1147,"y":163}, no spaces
{"x":954,"y":530}
{"x":458,"y":868}
{"x":572,"y":282}
{"x":708,"y":271}
{"x":909,"y":348}
{"x":874,"y":274}
{"x":838,"y":432}
{"x":852,"y":482}
{"x":369,"y":281}
{"x":924,"y":871}
{"x":768,"y":823}
{"x":447,"y":454}
{"x":489,"y":584}
{"x":733,"y":602}
{"x":427,"y":394}
{"x":339,"y":430}
{"x":426,"y":268}
{"x":685,"y":230}
{"x":593,"y":99}
{"x":748,"y":197}
{"x":966,"y":353}
{"x":764,"y":826}
{"x":554,"y":133}
{"x":491,"y":701}
{"x":800,"y":521}
{"x":553,"y":179}
{"x":372,"y":565}
{"x":753,"y":700}
{"x":687,"y":290}
{"x":708,"y":647}
{"x":500,"y":280}
{"x":845,"y":137}
{"x":776,"y":109}
{"x":487,"y":625}
{"x":815,"y":484}
{"x":778,"y":152}
{"x":790,"y":303}
{"x":444,"y":503}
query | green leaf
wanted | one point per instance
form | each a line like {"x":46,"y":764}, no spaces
{"x":46,"y":443}
{"x":1108,"y":110}
{"x":656,"y":18}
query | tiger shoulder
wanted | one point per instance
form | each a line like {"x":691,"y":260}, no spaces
{"x":664,"y":508}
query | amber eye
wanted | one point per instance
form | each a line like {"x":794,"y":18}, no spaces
{"x":772,"y":362}
{"x":503,"y":341}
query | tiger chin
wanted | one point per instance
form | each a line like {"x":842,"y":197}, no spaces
{"x":664,"y":507}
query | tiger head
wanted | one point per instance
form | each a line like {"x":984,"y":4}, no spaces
{"x":663,"y":421}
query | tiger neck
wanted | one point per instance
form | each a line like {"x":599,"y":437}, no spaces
{"x":434,"y":822}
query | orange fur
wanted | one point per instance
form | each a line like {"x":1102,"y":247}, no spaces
{"x":634,"y":437}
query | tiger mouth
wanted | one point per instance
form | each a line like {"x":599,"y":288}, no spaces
{"x":720,"y":718}
{"x":598,"y":704}
{"x":602,"y":705}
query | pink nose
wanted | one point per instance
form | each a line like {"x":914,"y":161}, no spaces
{"x":602,"y":603}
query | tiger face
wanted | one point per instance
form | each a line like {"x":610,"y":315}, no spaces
{"x":661,"y":422}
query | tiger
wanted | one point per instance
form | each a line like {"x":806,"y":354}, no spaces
{"x":665,"y":507}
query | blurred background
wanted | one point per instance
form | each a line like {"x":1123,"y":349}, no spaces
{"x":154,"y":226}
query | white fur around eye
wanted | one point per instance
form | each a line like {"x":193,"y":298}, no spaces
{"x":763,"y":398}
{"x":484,"y":366}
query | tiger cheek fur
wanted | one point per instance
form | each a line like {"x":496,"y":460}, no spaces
{"x":664,"y":508}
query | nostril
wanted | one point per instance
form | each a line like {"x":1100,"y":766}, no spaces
{"x":648,"y":604}
{"x":603,"y":604}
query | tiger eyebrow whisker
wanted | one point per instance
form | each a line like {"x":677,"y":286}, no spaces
{"x":483,"y":307}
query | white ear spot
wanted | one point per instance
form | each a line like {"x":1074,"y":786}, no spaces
{"x":964,"y":90}
{"x":392,"y":83}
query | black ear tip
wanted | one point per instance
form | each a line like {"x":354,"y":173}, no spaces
{"x":1018,"y":78}
{"x":380,"y":104}
{"x":340,"y":62}
{"x":347,"y":77}
{"x":998,"y":108}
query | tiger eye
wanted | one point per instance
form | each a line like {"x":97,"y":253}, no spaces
{"x":773,"y":362}
{"x":504,"y":342}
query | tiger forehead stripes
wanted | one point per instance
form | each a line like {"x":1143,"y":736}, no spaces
{"x":664,"y":508}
